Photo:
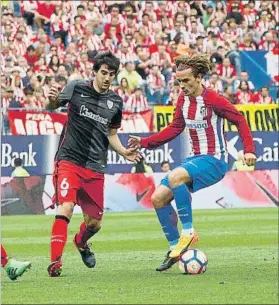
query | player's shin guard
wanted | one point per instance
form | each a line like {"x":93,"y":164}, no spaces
{"x":183,"y":200}
{"x":84,"y":235}
{"x":4,"y":257}
{"x":59,"y":237}
{"x":168,"y":220}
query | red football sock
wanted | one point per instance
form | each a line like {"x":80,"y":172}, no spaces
{"x":58,"y":237}
{"x":4,"y":257}
{"x":84,"y":234}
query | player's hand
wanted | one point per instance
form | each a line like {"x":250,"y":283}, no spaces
{"x":54,"y":92}
{"x":250,"y":159}
{"x":133,"y":155}
{"x":134,"y":142}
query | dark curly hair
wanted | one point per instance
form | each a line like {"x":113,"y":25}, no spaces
{"x":107,"y":58}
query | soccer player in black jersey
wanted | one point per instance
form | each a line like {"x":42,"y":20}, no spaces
{"x":94,"y":114}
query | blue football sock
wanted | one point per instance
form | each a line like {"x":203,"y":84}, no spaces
{"x":168,"y":219}
{"x":183,"y":200}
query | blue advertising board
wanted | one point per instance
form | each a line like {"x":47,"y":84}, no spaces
{"x":37,"y":153}
{"x":266,"y":144}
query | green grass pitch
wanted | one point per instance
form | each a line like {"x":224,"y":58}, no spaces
{"x":241,"y":245}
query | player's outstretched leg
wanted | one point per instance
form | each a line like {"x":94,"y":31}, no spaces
{"x":58,"y":240}
{"x":13,"y":267}
{"x":80,"y":241}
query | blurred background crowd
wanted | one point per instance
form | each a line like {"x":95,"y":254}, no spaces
{"x":47,"y":42}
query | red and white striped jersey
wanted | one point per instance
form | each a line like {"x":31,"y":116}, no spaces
{"x":268,"y":45}
{"x":136,"y":103}
{"x":204,"y":118}
{"x":259,"y":99}
{"x":226,"y":71}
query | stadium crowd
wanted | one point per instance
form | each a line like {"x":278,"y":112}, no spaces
{"x":47,"y":42}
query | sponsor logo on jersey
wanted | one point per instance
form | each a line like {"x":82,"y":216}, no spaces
{"x":85,"y":112}
{"x":192,"y":124}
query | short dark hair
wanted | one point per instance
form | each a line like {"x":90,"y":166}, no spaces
{"x":30,"y":48}
{"x":164,"y":162}
{"x":80,"y":6}
{"x":107,"y":58}
{"x":17,"y":162}
{"x":264,"y":87}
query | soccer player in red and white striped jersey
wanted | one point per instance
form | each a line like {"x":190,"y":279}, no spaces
{"x":202,"y":111}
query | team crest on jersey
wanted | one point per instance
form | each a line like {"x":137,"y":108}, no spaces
{"x":203,"y":111}
{"x":64,"y":193}
{"x":109,"y":104}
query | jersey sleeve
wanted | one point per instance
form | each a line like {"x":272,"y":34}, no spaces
{"x":170,"y":132}
{"x":117,"y":118}
{"x":224,"y":108}
{"x":67,"y":93}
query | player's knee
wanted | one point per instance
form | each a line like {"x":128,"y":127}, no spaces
{"x":93,"y":224}
{"x":66,"y":209}
{"x":178,"y":177}
{"x":157,"y":200}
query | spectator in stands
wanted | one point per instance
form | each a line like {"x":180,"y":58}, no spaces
{"x":145,"y":33}
{"x":163,"y":61}
{"x":143,"y":63}
{"x":8,"y":100}
{"x":17,"y":86}
{"x":228,"y":94}
{"x":220,"y":14}
{"x":226,"y":72}
{"x":29,"y":9}
{"x":243,"y":94}
{"x":235,"y":13}
{"x":29,"y":101}
{"x":218,"y":57}
{"x":136,"y":102}
{"x":263,"y":97}
{"x":244,"y":76}
{"x":268,"y":43}
{"x":247,"y":44}
{"x":43,"y":13}
{"x":31,"y":56}
{"x":174,"y":92}
{"x":134,"y":79}
{"x":155,"y":90}
{"x":214,"y":83}
{"x":264,"y":24}
{"x":208,"y":15}
{"x":165,"y":167}
{"x":124,"y":90}
{"x":19,"y":170}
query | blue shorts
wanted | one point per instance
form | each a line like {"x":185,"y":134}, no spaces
{"x":204,"y":170}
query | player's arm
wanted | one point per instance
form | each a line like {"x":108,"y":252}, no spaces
{"x":57,"y":98}
{"x":176,"y":127}
{"x":224,"y":108}
{"x":130,"y":154}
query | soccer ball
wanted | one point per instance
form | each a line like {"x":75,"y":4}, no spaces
{"x":192,"y":262}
